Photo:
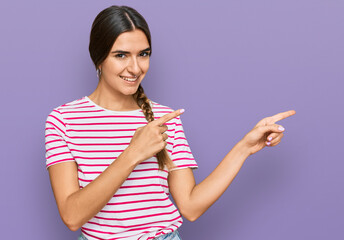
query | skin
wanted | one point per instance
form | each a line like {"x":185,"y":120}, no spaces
{"x":77,"y":206}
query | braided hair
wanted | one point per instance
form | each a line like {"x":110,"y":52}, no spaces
{"x":143,"y":101}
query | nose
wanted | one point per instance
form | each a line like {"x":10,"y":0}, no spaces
{"x":134,"y":66}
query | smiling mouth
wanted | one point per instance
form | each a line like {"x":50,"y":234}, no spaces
{"x":129,"y":79}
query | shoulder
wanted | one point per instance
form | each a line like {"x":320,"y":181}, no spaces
{"x":74,"y":104}
{"x":160,"y":108}
{"x":56,"y":114}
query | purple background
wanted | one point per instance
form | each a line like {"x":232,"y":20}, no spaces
{"x":229,"y":64}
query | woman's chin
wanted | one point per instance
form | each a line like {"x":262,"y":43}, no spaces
{"x":130,"y":91}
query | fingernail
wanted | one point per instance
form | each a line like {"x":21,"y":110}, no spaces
{"x":269,"y":138}
{"x":268,"y":143}
{"x":281,"y":128}
{"x":182,"y":110}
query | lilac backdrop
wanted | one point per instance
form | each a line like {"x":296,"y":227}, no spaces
{"x":229,"y":64}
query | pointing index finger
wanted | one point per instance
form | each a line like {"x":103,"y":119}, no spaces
{"x":282,"y":115}
{"x":169,"y":116}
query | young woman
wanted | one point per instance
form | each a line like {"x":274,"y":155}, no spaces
{"x":115,"y":156}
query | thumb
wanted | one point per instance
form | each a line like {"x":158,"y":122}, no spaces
{"x":272,"y":128}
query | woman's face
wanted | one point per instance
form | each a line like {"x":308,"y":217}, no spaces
{"x":127,"y":63}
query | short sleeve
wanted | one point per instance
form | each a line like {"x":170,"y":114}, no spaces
{"x":181,"y":153}
{"x":57,"y":150}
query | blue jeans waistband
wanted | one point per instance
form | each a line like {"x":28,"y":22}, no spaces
{"x":169,"y":236}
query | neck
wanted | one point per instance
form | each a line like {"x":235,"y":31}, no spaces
{"x":109,"y":100}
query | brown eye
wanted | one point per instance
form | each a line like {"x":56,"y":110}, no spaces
{"x":144,"y":54}
{"x":120,"y":55}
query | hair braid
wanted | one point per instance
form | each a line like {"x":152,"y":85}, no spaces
{"x":143,"y":101}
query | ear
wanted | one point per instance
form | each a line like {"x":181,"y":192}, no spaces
{"x":99,"y":71}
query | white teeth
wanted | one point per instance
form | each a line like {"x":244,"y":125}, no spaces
{"x":129,"y":79}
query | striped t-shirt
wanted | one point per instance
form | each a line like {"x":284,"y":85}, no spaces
{"x":94,"y":137}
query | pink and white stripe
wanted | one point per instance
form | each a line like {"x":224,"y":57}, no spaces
{"x":93,"y":137}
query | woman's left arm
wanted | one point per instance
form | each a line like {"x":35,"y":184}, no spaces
{"x":193,"y":200}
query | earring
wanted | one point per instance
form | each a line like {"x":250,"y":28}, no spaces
{"x":99,"y":72}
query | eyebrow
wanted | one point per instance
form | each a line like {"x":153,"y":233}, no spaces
{"x":126,"y":52}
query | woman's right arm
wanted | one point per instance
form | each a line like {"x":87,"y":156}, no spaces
{"x":77,"y":206}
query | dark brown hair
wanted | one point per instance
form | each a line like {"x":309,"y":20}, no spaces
{"x":106,"y":27}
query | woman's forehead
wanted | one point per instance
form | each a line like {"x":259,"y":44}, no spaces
{"x":131,"y":41}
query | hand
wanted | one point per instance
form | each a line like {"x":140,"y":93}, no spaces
{"x":266,"y":128}
{"x":151,"y":139}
